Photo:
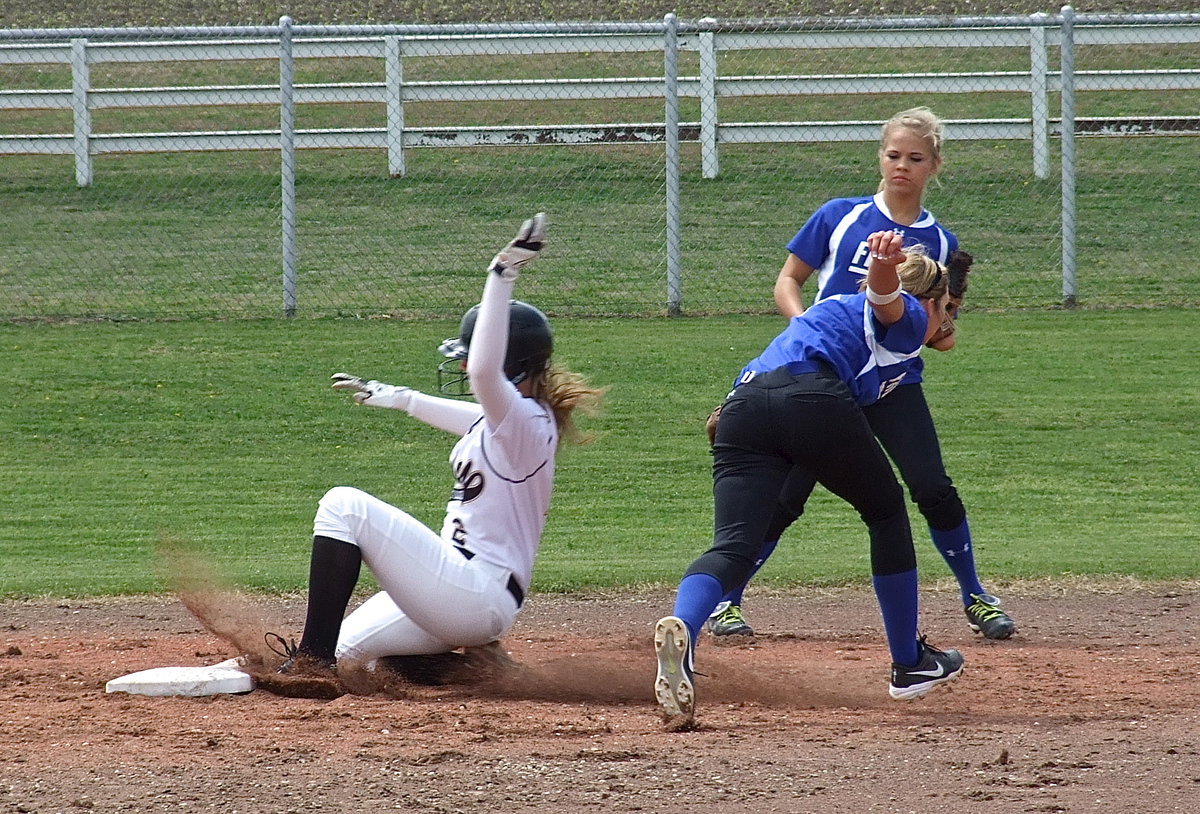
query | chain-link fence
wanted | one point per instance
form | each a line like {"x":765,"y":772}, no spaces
{"x":148,"y":173}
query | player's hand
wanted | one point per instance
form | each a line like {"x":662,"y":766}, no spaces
{"x":373,"y":393}
{"x":521,"y":249}
{"x":887,"y":247}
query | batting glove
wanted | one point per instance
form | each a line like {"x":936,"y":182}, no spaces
{"x":523,"y":248}
{"x":373,"y":393}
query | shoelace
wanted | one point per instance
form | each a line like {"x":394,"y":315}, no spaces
{"x":731,"y":614}
{"x":281,"y":646}
{"x":985,"y":610}
{"x":924,"y":645}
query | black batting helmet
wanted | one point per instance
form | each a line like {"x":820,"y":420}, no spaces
{"x":530,"y":343}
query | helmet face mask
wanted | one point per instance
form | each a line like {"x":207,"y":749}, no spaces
{"x":452,"y":371}
{"x":530,"y":343}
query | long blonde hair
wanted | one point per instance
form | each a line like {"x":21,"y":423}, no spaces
{"x":921,"y":275}
{"x":566,"y":391}
{"x":922,"y":121}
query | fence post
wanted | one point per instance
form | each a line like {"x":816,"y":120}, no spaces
{"x":671,"y":75}
{"x":394,"y":69}
{"x":81,"y":83}
{"x":1039,"y":96}
{"x":710,"y":162}
{"x":287,"y":160}
{"x":1067,"y":66}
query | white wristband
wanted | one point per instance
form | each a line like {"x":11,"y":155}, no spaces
{"x":882,"y":299}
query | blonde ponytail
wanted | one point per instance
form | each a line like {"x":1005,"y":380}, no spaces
{"x":565,"y":391}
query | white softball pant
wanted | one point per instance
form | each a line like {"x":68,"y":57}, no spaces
{"x":433,"y":599}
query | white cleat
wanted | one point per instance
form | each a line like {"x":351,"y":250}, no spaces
{"x":675,"y":685}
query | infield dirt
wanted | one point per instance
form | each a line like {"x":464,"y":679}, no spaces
{"x":1094,"y":706}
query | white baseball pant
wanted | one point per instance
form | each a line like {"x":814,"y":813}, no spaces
{"x":433,"y":599}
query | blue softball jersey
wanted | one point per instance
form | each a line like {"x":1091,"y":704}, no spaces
{"x":834,"y":241}
{"x":871,"y":358}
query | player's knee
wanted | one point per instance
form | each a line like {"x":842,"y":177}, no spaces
{"x":336,"y":505}
{"x":943,"y":511}
{"x":342,"y":500}
{"x":340,"y":495}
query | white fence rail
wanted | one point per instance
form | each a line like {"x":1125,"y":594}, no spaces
{"x":1039,"y":33}
{"x":1041,"y":36}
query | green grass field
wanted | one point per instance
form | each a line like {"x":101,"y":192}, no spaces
{"x":1071,"y":436}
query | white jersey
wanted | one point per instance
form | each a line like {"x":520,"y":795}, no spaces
{"x":503,"y":480}
{"x":465,"y":586}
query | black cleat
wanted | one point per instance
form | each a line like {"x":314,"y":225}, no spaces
{"x":934,"y":667}
{"x":984,"y":616}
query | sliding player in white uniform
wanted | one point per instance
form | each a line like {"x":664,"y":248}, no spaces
{"x":465,"y":586}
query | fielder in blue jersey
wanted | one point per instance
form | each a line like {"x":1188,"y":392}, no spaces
{"x":833,"y":243}
{"x":833,"y":246}
{"x":798,"y":407}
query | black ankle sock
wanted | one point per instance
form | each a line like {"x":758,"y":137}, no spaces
{"x":333,"y":573}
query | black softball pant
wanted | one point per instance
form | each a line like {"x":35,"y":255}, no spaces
{"x":778,"y":427}
{"x":904,"y":426}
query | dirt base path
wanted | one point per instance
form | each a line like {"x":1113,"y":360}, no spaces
{"x":1093,"y":707}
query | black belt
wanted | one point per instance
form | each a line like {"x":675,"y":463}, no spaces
{"x":514,"y":587}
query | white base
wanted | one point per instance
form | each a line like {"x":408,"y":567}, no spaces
{"x":226,"y":677}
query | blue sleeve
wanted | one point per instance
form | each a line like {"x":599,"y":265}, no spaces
{"x":907,"y":334}
{"x":811,"y":243}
